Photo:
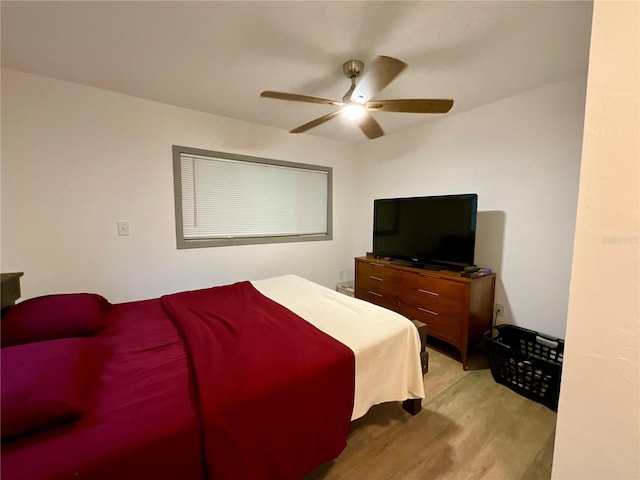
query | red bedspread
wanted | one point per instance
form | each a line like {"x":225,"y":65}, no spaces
{"x":274,"y":393}
{"x":141,"y":424}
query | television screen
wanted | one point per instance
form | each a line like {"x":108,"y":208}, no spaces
{"x":426,"y":231}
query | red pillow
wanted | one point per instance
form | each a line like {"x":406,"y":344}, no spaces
{"x":53,"y":316}
{"x":45,"y":384}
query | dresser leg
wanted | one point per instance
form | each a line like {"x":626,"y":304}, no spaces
{"x":463,"y":358}
{"x":412,"y":406}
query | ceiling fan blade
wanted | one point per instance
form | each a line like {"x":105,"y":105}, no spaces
{"x":418,"y":105}
{"x":299,"y":98}
{"x":377,"y":76}
{"x":370,"y":127}
{"x":315,"y":123}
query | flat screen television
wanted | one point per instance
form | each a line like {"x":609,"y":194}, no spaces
{"x":432,"y":232}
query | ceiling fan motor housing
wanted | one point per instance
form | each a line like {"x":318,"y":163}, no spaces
{"x":353,"y":68}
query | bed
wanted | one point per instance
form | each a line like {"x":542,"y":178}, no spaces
{"x":251,"y":380}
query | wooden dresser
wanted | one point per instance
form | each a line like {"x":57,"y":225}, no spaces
{"x":456,"y":310}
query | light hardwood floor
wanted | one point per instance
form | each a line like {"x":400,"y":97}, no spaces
{"x":469,"y":428}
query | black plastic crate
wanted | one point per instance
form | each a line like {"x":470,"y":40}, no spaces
{"x":527,"y":362}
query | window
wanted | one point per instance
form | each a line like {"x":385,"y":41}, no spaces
{"x":226,"y":199}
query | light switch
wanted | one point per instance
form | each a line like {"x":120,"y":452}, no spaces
{"x":123,"y":229}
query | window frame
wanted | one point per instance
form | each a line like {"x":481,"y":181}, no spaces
{"x":184,"y":243}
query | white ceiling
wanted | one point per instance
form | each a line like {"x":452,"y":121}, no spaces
{"x":217,"y":57}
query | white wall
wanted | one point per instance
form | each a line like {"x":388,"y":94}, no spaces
{"x":521,"y":155}
{"x":75,"y":160}
{"x":598,"y":428}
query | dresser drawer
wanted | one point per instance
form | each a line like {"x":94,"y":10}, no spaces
{"x":441,"y":305}
{"x":384,"y":287}
{"x":378,"y":278}
{"x":378,"y":271}
{"x":384,"y":300}
{"x":434,"y":286}
{"x":440,"y":326}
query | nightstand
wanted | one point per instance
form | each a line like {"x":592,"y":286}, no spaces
{"x":10,"y":283}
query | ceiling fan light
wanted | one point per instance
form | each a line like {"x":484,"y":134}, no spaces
{"x":353,"y":111}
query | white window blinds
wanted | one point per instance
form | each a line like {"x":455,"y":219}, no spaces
{"x":226,"y":198}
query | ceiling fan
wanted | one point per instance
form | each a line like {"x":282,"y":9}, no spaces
{"x":357,"y":102}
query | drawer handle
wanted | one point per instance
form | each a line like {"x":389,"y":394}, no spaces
{"x":428,"y":292}
{"x":427,"y":311}
{"x":429,"y":275}
{"x":376,"y":264}
{"x":376,"y":278}
{"x":376,"y":294}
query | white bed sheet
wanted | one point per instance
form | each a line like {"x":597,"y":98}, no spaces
{"x":386,"y":344}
